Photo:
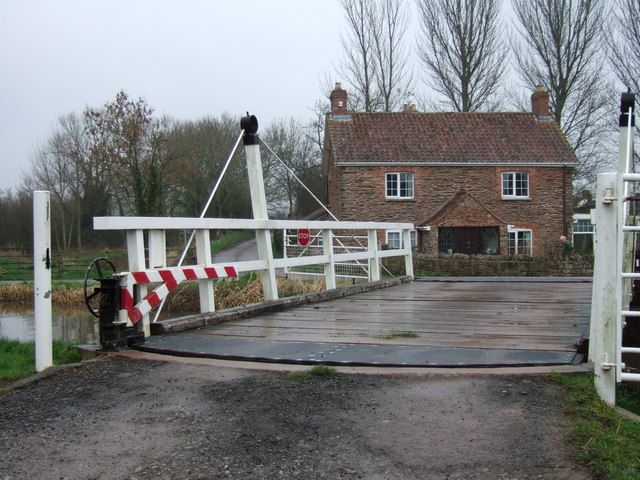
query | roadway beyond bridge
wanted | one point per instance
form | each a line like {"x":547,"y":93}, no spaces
{"x":440,"y":322}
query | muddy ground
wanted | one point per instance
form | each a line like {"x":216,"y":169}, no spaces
{"x":123,"y":418}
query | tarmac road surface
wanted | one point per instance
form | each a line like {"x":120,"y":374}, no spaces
{"x":247,"y":250}
{"x":121,"y":418}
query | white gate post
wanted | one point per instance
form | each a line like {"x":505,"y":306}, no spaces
{"x":259,"y":203}
{"x":408,"y":258}
{"x":604,"y":300}
{"x":329,"y":267}
{"x":374,"y":260}
{"x":157,"y":249}
{"x":203,"y":255}
{"x":42,"y":279}
{"x":135,"y":254}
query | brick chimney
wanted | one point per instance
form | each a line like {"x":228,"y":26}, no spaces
{"x":338,"y":99}
{"x":540,"y":103}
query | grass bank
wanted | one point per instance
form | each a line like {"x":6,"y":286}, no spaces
{"x":607,"y":442}
{"x":17,"y":359}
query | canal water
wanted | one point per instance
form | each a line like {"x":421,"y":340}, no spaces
{"x":74,"y":324}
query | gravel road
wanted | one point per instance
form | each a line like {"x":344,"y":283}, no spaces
{"x":120,"y":418}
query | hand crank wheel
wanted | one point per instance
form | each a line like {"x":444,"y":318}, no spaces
{"x":95,"y":271}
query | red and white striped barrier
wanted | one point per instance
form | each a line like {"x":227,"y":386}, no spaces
{"x":170,"y":279}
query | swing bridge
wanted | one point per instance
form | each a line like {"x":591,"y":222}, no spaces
{"x":382,"y":321}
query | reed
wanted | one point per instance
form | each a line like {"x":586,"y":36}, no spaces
{"x":23,"y":293}
{"x":233,"y":293}
{"x":228,"y":293}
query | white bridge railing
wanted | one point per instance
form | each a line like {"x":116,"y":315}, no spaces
{"x":335,"y":249}
{"x":353,"y":241}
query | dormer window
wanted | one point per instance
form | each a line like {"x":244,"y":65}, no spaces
{"x":399,"y":185}
{"x":515,"y":185}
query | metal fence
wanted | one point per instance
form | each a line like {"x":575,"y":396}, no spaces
{"x":352,"y":242}
{"x":17,"y":264}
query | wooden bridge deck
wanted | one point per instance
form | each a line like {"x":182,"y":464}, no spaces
{"x":480,"y":314}
{"x":507,"y":314}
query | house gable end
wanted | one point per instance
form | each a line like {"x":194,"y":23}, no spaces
{"x":464,"y":210}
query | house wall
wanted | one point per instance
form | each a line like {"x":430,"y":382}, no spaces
{"x":358,"y":193}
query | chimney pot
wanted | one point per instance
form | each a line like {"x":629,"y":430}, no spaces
{"x":540,"y":103}
{"x":338,"y":99}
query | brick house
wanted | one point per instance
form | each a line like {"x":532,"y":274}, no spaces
{"x":498,"y":183}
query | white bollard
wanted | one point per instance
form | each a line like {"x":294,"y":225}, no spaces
{"x":42,"y":279}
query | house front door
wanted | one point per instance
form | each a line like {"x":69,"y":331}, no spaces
{"x":468,"y":240}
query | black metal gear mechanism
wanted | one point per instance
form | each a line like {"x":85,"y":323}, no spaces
{"x":99,"y":267}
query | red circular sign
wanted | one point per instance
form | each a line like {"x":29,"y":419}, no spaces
{"x":303,"y":236}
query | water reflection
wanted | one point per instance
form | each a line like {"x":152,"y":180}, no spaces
{"x":69,"y":323}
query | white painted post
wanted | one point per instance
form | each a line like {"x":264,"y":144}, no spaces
{"x":329,"y":267}
{"x":157,"y":249}
{"x":203,"y":254}
{"x":42,"y":279}
{"x":284,"y":248}
{"x":259,"y":203}
{"x":135,"y":254}
{"x":604,"y":299}
{"x":374,"y":261}
{"x":408,"y":260}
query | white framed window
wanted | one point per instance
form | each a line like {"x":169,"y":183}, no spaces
{"x":582,"y":238}
{"x":394,"y":239}
{"x":399,"y":185}
{"x":515,"y":185}
{"x":520,"y":242}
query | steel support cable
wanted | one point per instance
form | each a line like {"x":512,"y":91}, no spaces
{"x":318,"y":200}
{"x":204,"y":211}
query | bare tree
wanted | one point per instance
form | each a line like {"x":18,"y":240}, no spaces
{"x":201,"y":148}
{"x":50,"y":171}
{"x":624,"y":43}
{"x":558,"y":45}
{"x":80,"y":184}
{"x":389,"y":20}
{"x":375,"y":64}
{"x":298,"y":153}
{"x":462,"y":51}
{"x":358,"y":65}
{"x":125,"y":135}
{"x":624,"y":46}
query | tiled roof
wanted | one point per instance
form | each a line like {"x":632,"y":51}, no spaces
{"x":467,"y":138}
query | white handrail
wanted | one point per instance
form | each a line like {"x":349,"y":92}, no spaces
{"x":181,"y":223}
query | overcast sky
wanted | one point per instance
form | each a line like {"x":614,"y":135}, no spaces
{"x":187,"y":58}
